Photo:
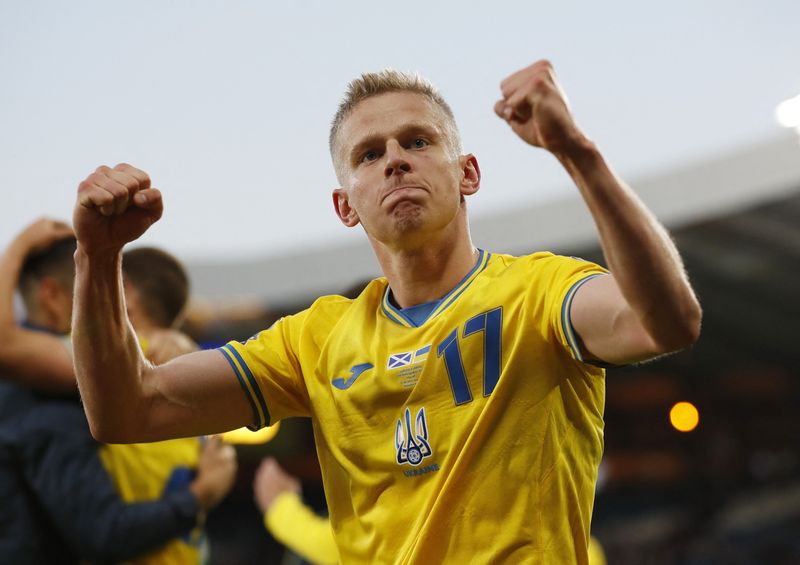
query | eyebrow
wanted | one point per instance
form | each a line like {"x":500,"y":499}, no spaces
{"x":372,"y":138}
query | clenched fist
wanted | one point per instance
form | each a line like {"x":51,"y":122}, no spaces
{"x":536,"y":108}
{"x":114,"y":207}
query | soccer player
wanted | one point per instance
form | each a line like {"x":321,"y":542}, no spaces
{"x":457,"y":402}
{"x":58,"y":503}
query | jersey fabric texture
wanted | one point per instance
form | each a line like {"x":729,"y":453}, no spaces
{"x":147,"y":471}
{"x":471,"y":437}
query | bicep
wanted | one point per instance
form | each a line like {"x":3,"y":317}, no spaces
{"x":608,"y":329}
{"x":192,"y":395}
{"x":38,"y":360}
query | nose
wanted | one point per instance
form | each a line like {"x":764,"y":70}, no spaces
{"x":396,"y":162}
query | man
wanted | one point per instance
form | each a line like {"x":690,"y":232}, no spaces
{"x":457,"y":402}
{"x":58,"y":503}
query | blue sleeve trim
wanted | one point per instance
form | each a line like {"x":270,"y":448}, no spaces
{"x":566,"y":317}
{"x":244,"y":378}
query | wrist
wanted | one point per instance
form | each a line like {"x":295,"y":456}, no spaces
{"x":577,"y":150}
{"x":88,"y":258}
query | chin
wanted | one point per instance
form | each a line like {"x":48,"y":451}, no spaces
{"x":407,"y":217}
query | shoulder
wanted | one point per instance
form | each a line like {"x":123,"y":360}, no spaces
{"x":319,"y":319}
{"x":335,"y":306}
{"x":541,"y":264}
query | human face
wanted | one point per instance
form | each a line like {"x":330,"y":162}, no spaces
{"x":403,"y":178}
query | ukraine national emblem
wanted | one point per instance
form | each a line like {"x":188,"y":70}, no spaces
{"x":411,"y":444}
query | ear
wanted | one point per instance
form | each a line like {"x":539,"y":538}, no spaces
{"x":55,"y":303}
{"x":471,"y":179}
{"x":47,"y":293}
{"x":346,"y":213}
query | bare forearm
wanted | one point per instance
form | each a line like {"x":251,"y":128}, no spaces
{"x":638,"y":250}
{"x":10,"y":265}
{"x":32,"y":358}
{"x":108,"y":361}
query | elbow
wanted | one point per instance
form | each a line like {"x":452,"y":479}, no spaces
{"x":105,"y":434}
{"x":100,"y":432}
{"x":104,"y":431}
{"x":693,"y":321}
{"x":685,"y":332}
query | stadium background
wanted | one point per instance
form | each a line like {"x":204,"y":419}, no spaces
{"x":227,"y":106}
{"x":726,"y":492}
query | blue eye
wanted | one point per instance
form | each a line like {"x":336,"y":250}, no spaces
{"x":419,"y":143}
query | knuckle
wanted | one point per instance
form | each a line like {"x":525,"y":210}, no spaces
{"x":538,"y":82}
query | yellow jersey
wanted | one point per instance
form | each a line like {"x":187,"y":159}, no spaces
{"x":471,"y":436}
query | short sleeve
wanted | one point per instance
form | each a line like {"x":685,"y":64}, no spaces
{"x":562,"y":277}
{"x":268,"y":369}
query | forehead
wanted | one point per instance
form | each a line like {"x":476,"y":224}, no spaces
{"x":385,"y":113}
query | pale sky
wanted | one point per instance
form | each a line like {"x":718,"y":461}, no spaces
{"x":227,"y":104}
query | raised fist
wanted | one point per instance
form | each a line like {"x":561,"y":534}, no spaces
{"x":114,"y":207}
{"x":536,"y":108}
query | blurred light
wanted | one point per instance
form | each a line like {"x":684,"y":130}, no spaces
{"x":788,"y":112}
{"x":684,"y":417}
{"x":243,"y":436}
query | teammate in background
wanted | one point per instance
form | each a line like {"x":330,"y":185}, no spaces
{"x":59,"y":505}
{"x":156,"y":293}
{"x":457,"y":403}
{"x":288,"y":519}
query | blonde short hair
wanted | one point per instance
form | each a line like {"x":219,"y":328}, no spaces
{"x":389,"y":80}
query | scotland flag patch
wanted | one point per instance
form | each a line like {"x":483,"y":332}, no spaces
{"x":397,"y":360}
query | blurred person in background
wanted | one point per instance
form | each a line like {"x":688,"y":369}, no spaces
{"x":57,"y":502}
{"x":457,"y":402}
{"x":288,"y":519}
{"x":156,"y":295}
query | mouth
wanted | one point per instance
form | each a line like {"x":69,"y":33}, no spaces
{"x":401,"y":192}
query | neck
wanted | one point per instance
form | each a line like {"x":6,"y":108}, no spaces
{"x":427,"y":272}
